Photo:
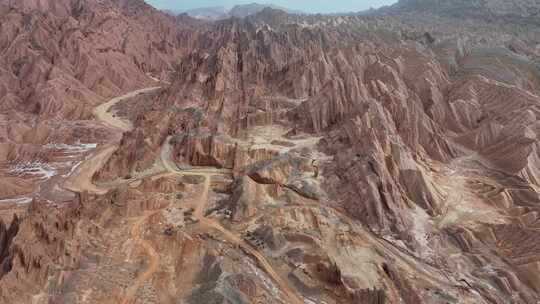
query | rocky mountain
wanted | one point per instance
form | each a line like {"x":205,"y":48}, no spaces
{"x":61,"y":58}
{"x":244,"y":10}
{"x":238,"y":11}
{"x":209,"y":13}
{"x":383,"y":157}
{"x":529,"y":9}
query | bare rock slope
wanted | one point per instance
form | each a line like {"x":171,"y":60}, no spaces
{"x":381,"y":158}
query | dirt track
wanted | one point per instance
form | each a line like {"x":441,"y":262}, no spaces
{"x":136,"y":235}
{"x":102,"y":112}
{"x":207,"y":223}
{"x":210,"y":224}
{"x":82,"y":181}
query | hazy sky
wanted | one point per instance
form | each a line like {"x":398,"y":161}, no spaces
{"x":312,"y":6}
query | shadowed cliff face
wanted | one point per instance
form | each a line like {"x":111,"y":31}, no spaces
{"x":385,"y":158}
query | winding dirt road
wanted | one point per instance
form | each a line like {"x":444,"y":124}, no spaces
{"x":102,"y":112}
{"x":81,"y":181}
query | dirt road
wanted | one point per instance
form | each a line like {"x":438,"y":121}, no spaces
{"x":262,"y":262}
{"x":102,"y":112}
{"x":81,"y":181}
{"x":153,"y":263}
{"x":207,"y":223}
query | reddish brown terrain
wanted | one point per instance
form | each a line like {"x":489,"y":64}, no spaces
{"x":382,"y":157}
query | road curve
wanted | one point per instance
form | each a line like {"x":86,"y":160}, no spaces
{"x":102,"y":111}
{"x":81,"y":179}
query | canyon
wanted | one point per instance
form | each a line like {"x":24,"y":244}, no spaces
{"x":389,"y":156}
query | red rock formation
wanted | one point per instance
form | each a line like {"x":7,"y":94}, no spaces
{"x":61,"y":58}
{"x":396,"y":152}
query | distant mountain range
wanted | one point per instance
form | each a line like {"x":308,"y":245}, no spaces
{"x":524,"y":9}
{"x":208,"y":13}
{"x":239,"y":11}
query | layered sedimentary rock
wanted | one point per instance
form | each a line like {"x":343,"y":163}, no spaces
{"x":389,"y":157}
{"x":62,"y":58}
{"x":395,"y":120}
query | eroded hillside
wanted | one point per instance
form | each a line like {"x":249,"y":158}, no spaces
{"x":389,"y":157}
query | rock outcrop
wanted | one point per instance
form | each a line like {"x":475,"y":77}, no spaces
{"x":386,"y":157}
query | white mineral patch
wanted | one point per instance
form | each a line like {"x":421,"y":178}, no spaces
{"x":38,"y":168}
{"x":77,"y":147}
{"x":20,"y":201}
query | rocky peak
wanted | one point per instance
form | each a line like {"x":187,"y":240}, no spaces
{"x":271,"y":16}
{"x":476,"y":8}
{"x":76,"y":8}
{"x":242,"y":11}
{"x":286,"y":159}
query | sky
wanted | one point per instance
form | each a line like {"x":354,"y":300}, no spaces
{"x":309,"y":6}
